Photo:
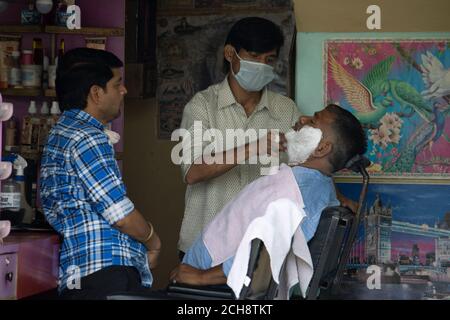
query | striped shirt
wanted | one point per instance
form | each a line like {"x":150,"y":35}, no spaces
{"x":217,"y":108}
{"x":83,"y":196}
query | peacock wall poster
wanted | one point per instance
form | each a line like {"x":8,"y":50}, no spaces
{"x":400,"y":91}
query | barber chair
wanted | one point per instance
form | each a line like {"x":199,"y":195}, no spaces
{"x":330,"y":249}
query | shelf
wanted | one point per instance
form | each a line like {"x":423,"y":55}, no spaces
{"x":50,"y":93}
{"x":21,"y":29}
{"x":17,"y":92}
{"x":101,"y":32}
{"x":216,"y":11}
{"x":28,"y":92}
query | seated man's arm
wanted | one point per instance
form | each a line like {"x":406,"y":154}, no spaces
{"x":187,"y":274}
{"x":346,"y":202}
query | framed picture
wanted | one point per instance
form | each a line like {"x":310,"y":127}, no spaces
{"x":399,"y":89}
{"x":247,"y":4}
{"x":405,"y":233}
{"x":190,"y":58}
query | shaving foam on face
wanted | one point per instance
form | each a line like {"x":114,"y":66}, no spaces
{"x":301,"y":144}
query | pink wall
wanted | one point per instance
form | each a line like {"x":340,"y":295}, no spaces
{"x":98,"y":13}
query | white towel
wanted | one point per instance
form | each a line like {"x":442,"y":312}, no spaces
{"x":113,"y":136}
{"x":252,"y":202}
{"x":279,"y":229}
{"x":5,"y":228}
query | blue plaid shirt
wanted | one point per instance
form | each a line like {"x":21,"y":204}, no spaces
{"x":83,"y":195}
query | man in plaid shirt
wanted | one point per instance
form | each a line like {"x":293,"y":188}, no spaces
{"x":107,"y":246}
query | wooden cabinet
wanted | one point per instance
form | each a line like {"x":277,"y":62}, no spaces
{"x":28,"y":264}
{"x":8,"y":275}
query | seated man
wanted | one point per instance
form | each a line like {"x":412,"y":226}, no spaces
{"x":317,"y":147}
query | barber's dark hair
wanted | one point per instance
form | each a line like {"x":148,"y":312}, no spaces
{"x":73,"y":87}
{"x":350,"y":140}
{"x":79,"y":56}
{"x":254,"y":34}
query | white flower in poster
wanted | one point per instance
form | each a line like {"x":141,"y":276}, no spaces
{"x":346,"y":61}
{"x":357,"y":63}
{"x":391,"y":121}
{"x":394,"y":135}
{"x":380,"y":136}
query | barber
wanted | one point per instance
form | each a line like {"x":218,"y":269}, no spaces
{"x":240,"y":101}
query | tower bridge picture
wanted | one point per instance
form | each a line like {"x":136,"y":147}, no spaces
{"x":374,"y":245}
{"x":406,"y":232}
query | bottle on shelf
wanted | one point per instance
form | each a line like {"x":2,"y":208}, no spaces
{"x":44,"y":125}
{"x":38,"y":61}
{"x":20,"y":164}
{"x":45,"y":73}
{"x":61,"y":51}
{"x":10,"y":134}
{"x":45,"y":111}
{"x":30,"y":16}
{"x":10,"y":201}
{"x":15,"y":73}
{"x":61,"y":14}
{"x":32,"y":65}
{"x":38,"y":52}
{"x":55,"y":112}
{"x":27,"y":57}
{"x":30,"y":130}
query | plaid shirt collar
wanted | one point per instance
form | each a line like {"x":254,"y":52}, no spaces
{"x":82,"y":115}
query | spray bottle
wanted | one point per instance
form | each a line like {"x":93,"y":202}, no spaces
{"x":20,"y":164}
{"x":10,"y":198}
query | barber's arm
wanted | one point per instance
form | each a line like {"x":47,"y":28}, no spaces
{"x":196,"y":113}
{"x":137,"y":227}
{"x":187,"y":274}
{"x":208,"y":170}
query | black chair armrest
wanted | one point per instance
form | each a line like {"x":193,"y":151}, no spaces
{"x":211,"y":292}
{"x":150,"y":295}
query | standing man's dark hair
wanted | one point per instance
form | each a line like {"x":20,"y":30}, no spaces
{"x":79,"y":56}
{"x":254,"y":34}
{"x":72,"y":88}
{"x":87,"y":67}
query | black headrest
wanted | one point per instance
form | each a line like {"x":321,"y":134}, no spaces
{"x":357,"y":162}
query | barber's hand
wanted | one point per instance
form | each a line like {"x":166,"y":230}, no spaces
{"x":272,"y":144}
{"x":187,"y":274}
{"x":283,"y":142}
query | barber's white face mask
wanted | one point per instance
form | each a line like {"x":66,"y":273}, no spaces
{"x":253,"y":76}
{"x":301,"y":144}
